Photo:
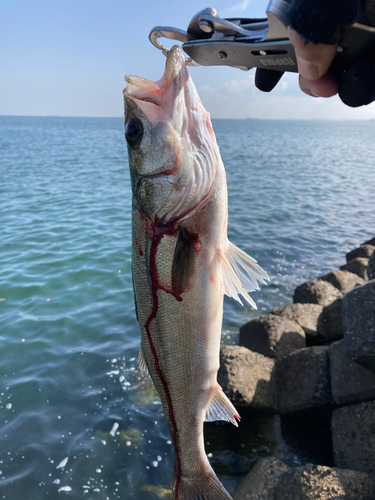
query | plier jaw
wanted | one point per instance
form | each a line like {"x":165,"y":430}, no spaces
{"x":237,"y":42}
{"x":246,"y":43}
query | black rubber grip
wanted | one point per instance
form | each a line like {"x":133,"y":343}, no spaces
{"x":266,"y":79}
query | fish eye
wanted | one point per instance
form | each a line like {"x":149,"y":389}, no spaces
{"x":133,"y":131}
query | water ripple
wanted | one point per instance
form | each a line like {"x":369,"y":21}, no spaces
{"x":300,"y":196}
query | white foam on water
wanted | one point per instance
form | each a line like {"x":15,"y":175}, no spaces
{"x":63,"y":463}
{"x":64,"y":488}
{"x":115,"y":426}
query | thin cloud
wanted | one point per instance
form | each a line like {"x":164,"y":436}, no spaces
{"x":238,"y":85}
{"x":240,"y":6}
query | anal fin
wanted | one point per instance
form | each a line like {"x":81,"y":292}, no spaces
{"x":220,"y":408}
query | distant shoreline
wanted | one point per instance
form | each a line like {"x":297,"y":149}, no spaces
{"x":325,"y":120}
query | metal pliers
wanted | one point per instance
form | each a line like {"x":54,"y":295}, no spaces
{"x":246,"y":43}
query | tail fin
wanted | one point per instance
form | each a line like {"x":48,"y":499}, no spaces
{"x":205,"y":487}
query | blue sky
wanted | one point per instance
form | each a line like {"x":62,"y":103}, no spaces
{"x":69,"y":58}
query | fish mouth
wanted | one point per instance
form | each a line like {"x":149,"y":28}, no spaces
{"x":142,"y":90}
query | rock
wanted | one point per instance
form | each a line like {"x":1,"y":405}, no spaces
{"x":344,"y":281}
{"x":306,"y":315}
{"x":370,"y":242}
{"x":272,"y":336}
{"x":330,"y":323}
{"x":371,"y":267}
{"x":302,"y":380}
{"x":261,"y":482}
{"x":306,"y":437}
{"x":323,"y":483}
{"x":350,"y":382}
{"x":353,"y":436}
{"x":357,"y":266}
{"x":247,"y":378}
{"x":364,"y":250}
{"x":229,"y":462}
{"x":316,"y":292}
{"x":235,"y":450}
{"x":358,"y":317}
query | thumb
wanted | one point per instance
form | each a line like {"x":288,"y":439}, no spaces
{"x":313,"y":59}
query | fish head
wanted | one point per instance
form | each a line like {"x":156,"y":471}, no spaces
{"x":173,"y":154}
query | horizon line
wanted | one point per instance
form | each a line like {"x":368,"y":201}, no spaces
{"x":212,"y":118}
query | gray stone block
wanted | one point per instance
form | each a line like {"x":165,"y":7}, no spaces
{"x":272,"y":336}
{"x":358,"y":317}
{"x":316,"y":292}
{"x":306,"y":315}
{"x":302,"y":380}
{"x":357,"y":266}
{"x":324,"y":483}
{"x":261,"y":482}
{"x":370,"y":242}
{"x":364,"y":250}
{"x":247,"y":378}
{"x":330,"y":323}
{"x":344,"y":281}
{"x":350,"y":382}
{"x":353,"y":437}
{"x":371,"y":267}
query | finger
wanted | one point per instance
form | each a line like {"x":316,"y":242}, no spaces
{"x":313,"y":59}
{"x":325,"y":86}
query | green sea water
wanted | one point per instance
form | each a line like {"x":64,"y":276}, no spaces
{"x":77,"y":419}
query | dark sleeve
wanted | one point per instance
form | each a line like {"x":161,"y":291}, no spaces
{"x":318,"y":20}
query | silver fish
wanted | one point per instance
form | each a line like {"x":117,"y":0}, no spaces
{"x":183,"y":263}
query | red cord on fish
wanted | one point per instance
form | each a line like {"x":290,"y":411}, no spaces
{"x":156,"y":238}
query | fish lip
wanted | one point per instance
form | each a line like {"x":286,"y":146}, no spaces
{"x":144,"y":98}
{"x":141,"y":89}
{"x":175,"y":63}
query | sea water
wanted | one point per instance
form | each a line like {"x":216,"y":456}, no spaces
{"x":76,"y":416}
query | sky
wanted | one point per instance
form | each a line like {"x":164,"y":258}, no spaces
{"x":69,"y":58}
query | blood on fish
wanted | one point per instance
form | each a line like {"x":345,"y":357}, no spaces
{"x":197,"y":246}
{"x":157,"y":236}
{"x":140,"y":249}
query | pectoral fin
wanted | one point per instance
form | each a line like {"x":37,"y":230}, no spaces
{"x":241,"y":273}
{"x":183,"y":262}
{"x":220,"y":408}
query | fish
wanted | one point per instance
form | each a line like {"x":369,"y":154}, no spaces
{"x":182,"y":263}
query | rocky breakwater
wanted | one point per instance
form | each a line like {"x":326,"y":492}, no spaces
{"x":310,"y":366}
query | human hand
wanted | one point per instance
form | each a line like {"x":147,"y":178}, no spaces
{"x":313,"y":28}
{"x":314,"y":60}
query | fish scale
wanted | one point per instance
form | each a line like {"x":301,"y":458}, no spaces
{"x":183,"y":263}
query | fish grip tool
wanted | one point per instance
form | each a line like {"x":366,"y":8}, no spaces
{"x":263,"y":43}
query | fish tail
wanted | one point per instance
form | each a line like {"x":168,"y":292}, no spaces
{"x":204,"y":487}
